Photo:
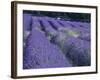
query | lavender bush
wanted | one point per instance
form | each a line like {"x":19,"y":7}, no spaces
{"x":40,"y":53}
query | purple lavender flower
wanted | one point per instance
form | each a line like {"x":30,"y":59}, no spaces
{"x":51,"y":42}
{"x":79,"y":51}
{"x":49,"y":30}
{"x":85,"y":36}
{"x":74,"y":48}
{"x":27,"y":19}
{"x":55,"y":24}
{"x":40,"y":53}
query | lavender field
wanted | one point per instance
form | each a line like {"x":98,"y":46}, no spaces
{"x":50,"y":42}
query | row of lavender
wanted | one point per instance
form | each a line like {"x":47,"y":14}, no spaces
{"x":50,"y":43}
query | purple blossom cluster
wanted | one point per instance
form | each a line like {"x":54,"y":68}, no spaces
{"x":51,"y":43}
